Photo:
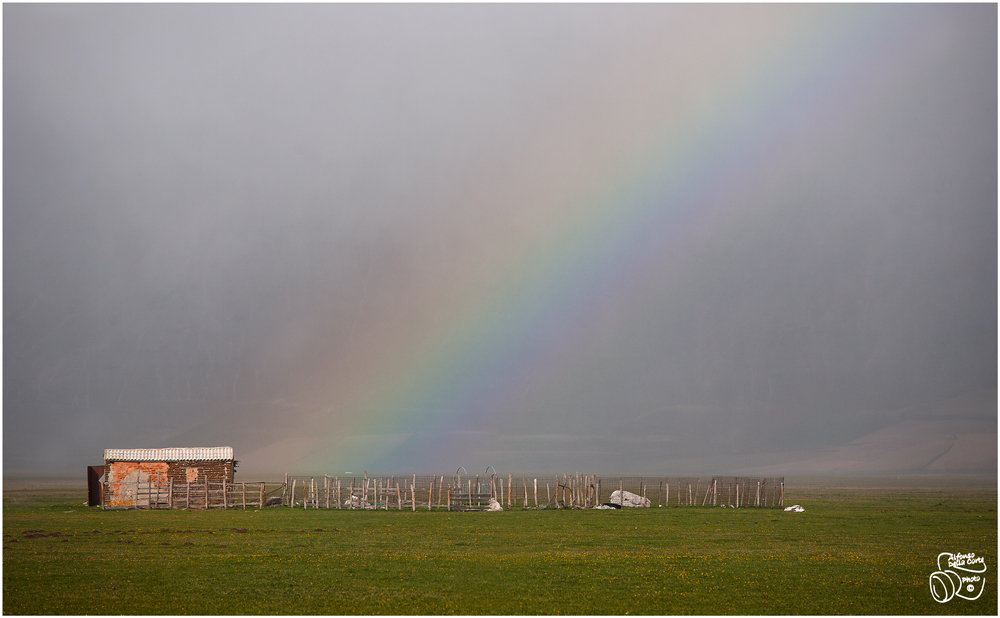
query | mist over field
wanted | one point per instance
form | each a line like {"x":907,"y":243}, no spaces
{"x":650,"y":239}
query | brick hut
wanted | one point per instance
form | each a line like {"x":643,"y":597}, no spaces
{"x":193,"y":477}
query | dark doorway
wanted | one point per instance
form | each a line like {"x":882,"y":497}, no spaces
{"x":95,"y":490}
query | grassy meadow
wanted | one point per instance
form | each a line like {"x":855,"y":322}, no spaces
{"x":863,"y":546}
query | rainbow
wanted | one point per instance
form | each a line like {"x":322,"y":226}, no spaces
{"x":585,"y":227}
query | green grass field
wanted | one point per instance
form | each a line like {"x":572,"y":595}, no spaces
{"x":863,"y":549}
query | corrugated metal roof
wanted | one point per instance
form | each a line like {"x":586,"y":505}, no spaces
{"x":169,"y":454}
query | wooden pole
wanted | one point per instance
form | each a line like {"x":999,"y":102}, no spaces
{"x":291,"y":503}
{"x":187,"y":501}
{"x":449,"y":500}
{"x":244,"y":495}
{"x":524,"y":484}
{"x":536,"y":493}
{"x":339,"y":503}
{"x":413,"y":497}
{"x":350,"y":503}
{"x":170,"y":493}
{"x":667,"y":501}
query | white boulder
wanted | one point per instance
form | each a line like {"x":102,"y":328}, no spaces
{"x":630,"y":499}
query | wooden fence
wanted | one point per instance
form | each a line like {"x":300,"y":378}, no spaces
{"x":456,"y":492}
{"x":467,"y":492}
{"x":198,"y":495}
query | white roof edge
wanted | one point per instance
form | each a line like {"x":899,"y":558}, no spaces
{"x":169,"y":454}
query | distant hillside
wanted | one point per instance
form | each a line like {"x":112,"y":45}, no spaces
{"x":955,"y":435}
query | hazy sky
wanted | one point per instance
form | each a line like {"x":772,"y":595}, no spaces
{"x":408,"y":238}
